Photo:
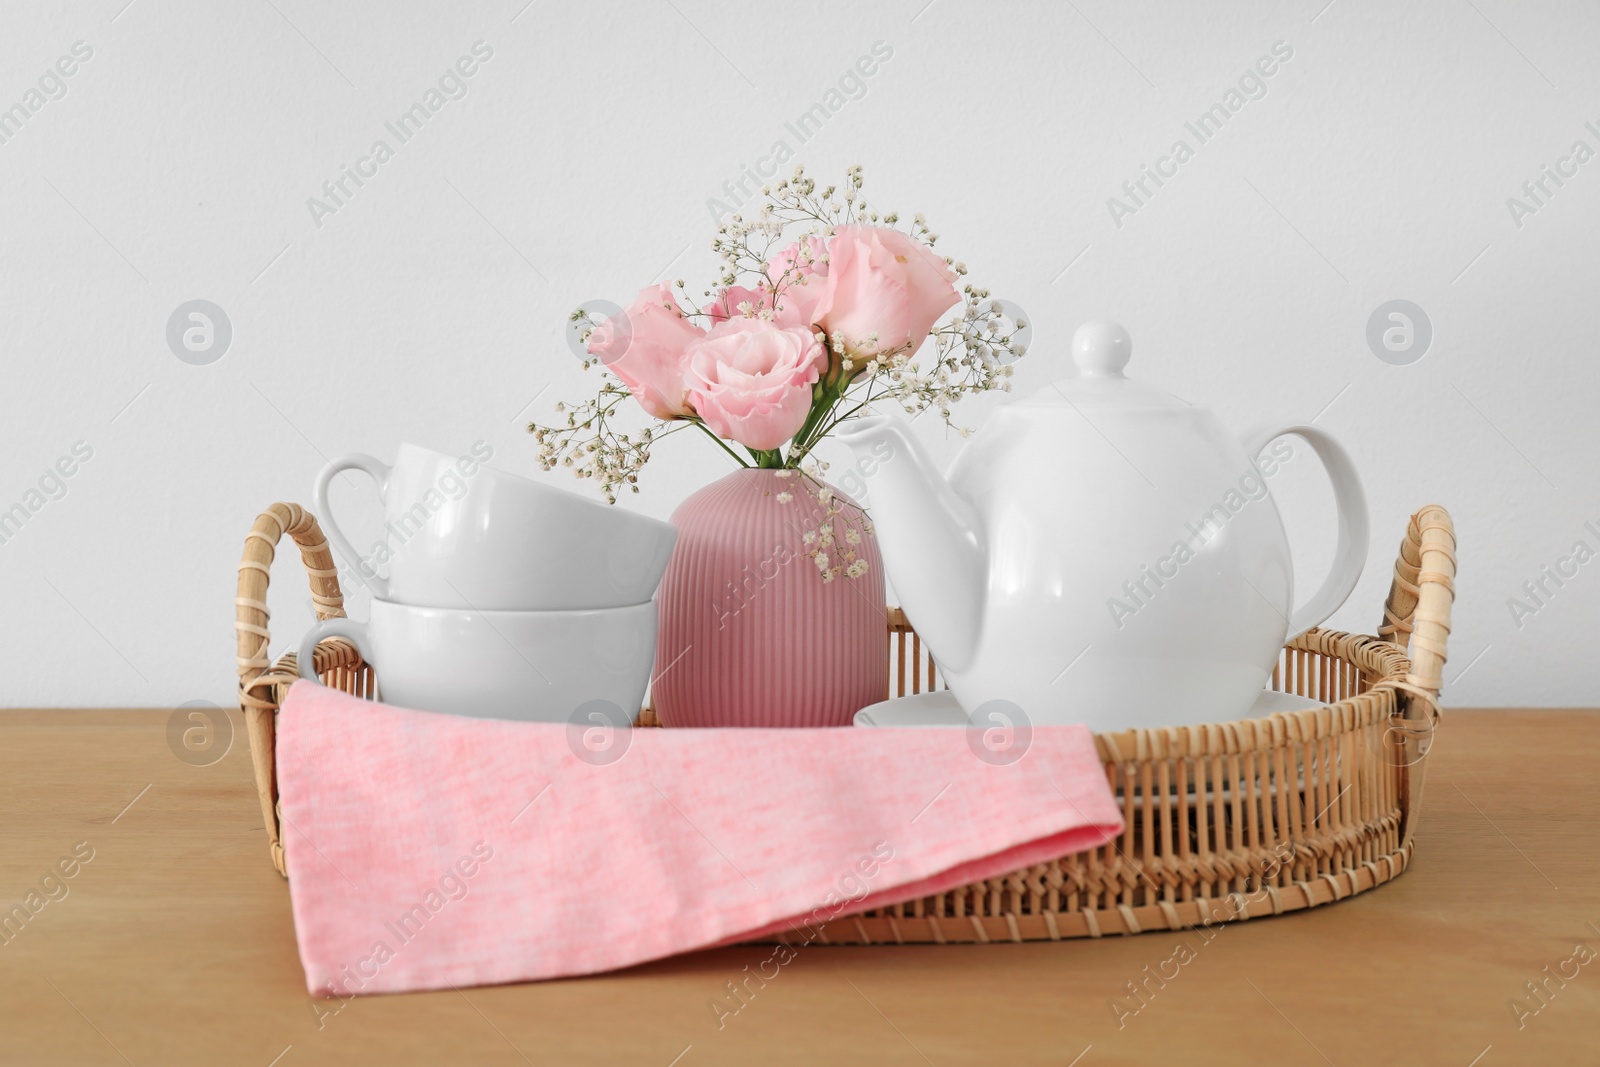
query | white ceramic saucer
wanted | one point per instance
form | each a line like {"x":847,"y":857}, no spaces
{"x":940,"y":709}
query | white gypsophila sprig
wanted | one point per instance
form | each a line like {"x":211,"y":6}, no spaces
{"x":589,"y":443}
{"x":834,"y":544}
{"x":970,"y":354}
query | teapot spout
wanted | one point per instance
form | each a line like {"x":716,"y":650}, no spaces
{"x":931,"y":539}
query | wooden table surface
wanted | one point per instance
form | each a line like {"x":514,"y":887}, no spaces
{"x":174,"y":944}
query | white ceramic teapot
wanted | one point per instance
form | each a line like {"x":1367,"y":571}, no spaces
{"x":1101,"y":551}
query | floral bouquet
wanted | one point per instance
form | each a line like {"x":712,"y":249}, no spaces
{"x":824,"y":307}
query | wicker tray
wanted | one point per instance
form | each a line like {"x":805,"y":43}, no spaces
{"x":1224,"y":821}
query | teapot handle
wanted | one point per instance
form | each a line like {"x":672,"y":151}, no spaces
{"x":1354,"y":533}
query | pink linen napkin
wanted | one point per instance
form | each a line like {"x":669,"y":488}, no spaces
{"x":427,"y":851}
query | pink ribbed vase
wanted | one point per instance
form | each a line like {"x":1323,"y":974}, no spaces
{"x":750,"y":634}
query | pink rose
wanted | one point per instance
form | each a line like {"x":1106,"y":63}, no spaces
{"x":882,"y":282}
{"x":801,"y":281}
{"x":647,"y":349}
{"x":751,"y":379}
{"x":726,"y":305}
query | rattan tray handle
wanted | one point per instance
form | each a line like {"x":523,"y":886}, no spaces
{"x":257,"y":676}
{"x":1420,"y":599}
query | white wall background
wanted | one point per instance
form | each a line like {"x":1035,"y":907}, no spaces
{"x":431,"y":307}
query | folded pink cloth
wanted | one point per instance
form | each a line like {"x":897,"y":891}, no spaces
{"x":428,"y":851}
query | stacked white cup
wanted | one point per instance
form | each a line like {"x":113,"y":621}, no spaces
{"x":506,"y":598}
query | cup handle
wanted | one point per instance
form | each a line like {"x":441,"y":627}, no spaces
{"x":349,"y":629}
{"x":379,"y":471}
{"x":1350,"y":556}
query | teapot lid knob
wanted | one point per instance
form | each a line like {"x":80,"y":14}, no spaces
{"x":1101,"y":349}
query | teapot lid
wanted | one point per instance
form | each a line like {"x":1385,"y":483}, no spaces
{"x":1100,"y":351}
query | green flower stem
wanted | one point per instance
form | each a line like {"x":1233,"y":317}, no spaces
{"x":823,"y":426}
{"x":826,"y":430}
{"x":720,"y":442}
{"x":805,"y":439}
{"x":768,"y":459}
{"x":819,"y":404}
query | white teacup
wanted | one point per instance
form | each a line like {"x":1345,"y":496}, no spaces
{"x":536,"y":666}
{"x":463,"y":535}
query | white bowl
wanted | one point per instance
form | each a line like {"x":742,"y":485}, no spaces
{"x":536,"y":666}
{"x":462,"y":535}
